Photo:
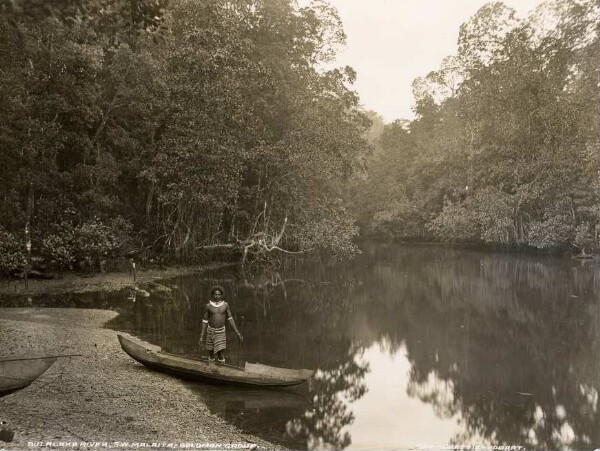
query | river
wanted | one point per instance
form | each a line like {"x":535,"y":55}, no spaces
{"x":413,"y":345}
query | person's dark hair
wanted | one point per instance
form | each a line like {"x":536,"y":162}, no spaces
{"x":217,"y":288}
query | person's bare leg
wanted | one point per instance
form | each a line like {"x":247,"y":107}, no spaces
{"x":221,"y":356}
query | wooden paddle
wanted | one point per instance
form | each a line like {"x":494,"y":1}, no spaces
{"x":41,"y":357}
{"x":240,"y":345}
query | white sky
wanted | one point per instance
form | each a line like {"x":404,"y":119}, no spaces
{"x":391,"y":42}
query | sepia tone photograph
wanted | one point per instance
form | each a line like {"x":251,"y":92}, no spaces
{"x":300,"y":225}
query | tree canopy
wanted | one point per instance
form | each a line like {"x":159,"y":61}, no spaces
{"x":175,"y":126}
{"x":504,"y":148}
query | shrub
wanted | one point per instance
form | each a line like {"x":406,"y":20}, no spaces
{"x":554,"y":232}
{"x":456,"y":223}
{"x":12,"y":253}
{"x":556,"y":229}
{"x":329,"y":229}
{"x":496,"y":211}
{"x":584,"y":236}
{"x":91,"y":240}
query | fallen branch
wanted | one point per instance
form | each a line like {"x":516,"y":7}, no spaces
{"x":219,"y":246}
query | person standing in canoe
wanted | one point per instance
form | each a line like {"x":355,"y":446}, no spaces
{"x":213,"y":325}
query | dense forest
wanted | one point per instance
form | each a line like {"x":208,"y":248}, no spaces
{"x":505,"y":148}
{"x":175,"y":127}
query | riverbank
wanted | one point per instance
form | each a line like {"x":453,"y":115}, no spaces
{"x":80,"y":283}
{"x":102,"y":396}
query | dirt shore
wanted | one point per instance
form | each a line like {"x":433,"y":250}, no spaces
{"x":102,"y":396}
{"x":78,"y":283}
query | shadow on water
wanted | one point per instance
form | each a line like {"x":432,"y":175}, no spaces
{"x":249,"y":409}
{"x":484,"y":348}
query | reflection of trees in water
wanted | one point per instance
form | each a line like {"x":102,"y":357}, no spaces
{"x":332,"y":392}
{"x":440,"y":394}
{"x":311,"y":317}
{"x":288,"y":322}
{"x":507,"y":341}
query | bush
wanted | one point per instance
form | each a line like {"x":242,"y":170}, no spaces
{"x":400,"y":219}
{"x":59,"y":249}
{"x":12,"y":255}
{"x":330,"y":230}
{"x":554,"y":232}
{"x":455,"y":224}
{"x":496,"y":210}
{"x":89,"y":241}
{"x":584,"y":236}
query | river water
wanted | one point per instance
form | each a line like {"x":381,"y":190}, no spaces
{"x":413,"y":345}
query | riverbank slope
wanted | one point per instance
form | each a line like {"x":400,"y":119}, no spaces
{"x":102,"y":396}
{"x":80,"y":283}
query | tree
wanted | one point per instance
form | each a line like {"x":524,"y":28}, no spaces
{"x":267,"y":137}
{"x":505,"y":139}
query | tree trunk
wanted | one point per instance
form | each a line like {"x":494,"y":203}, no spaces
{"x":28,"y":215}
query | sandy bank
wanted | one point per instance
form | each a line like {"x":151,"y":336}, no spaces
{"x":102,"y":396}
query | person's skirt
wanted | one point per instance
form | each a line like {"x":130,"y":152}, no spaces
{"x":215,"y":339}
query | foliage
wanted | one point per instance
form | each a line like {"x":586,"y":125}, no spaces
{"x":456,"y":223}
{"x":504,"y":148}
{"x":87,"y":242}
{"x":584,"y":237}
{"x":12,"y":255}
{"x":329,"y":228}
{"x":557,"y":227}
{"x":198,"y":123}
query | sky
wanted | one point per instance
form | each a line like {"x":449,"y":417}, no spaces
{"x":391,"y":42}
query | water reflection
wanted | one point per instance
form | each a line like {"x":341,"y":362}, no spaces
{"x":247,"y":408}
{"x":413,"y":345}
{"x":332,"y":392}
{"x":500,"y":348}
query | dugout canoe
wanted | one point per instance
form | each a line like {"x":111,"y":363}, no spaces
{"x":254,"y":374}
{"x":17,"y":372}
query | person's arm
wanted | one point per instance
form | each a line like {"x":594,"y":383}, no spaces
{"x":232,"y":322}
{"x":204,"y":324}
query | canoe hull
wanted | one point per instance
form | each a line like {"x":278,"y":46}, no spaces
{"x":16,"y":374}
{"x":198,"y":370}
